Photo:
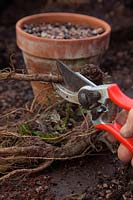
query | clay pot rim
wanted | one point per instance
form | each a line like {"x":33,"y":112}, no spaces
{"x":106,"y":26}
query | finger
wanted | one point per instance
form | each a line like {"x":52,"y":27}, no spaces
{"x":110,"y":137}
{"x":127,"y":129}
{"x":122,"y":117}
{"x":124,"y":154}
{"x":132,"y":162}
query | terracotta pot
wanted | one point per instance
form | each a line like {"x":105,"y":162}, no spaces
{"x":40,"y":54}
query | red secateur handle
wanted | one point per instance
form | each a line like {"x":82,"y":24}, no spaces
{"x":123,"y":101}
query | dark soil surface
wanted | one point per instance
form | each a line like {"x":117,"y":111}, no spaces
{"x":101,"y":176}
{"x":97,"y":177}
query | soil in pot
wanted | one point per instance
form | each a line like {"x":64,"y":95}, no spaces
{"x":61,"y":31}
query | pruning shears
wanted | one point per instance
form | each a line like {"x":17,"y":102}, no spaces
{"x":102,"y":101}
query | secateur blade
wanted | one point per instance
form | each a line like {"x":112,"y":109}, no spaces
{"x":73,"y":80}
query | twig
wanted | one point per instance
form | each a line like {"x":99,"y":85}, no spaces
{"x":30,"y":77}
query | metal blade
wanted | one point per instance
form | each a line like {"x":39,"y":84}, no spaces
{"x":73,"y":80}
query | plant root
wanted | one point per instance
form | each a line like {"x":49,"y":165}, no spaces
{"x":25,"y":154}
{"x":19,"y":172}
{"x":30,"y":154}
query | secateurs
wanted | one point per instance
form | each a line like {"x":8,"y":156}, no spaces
{"x":102,"y":101}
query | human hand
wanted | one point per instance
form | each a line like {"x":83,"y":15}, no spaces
{"x":125,"y":119}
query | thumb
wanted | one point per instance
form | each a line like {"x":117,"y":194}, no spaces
{"x":127,"y":129}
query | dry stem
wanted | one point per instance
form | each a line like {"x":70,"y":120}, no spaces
{"x":30,"y":77}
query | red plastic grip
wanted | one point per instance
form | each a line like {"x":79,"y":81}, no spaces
{"x":119,"y":98}
{"x":114,"y":129}
{"x":123,"y":101}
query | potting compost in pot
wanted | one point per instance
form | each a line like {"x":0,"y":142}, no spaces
{"x":61,"y":31}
